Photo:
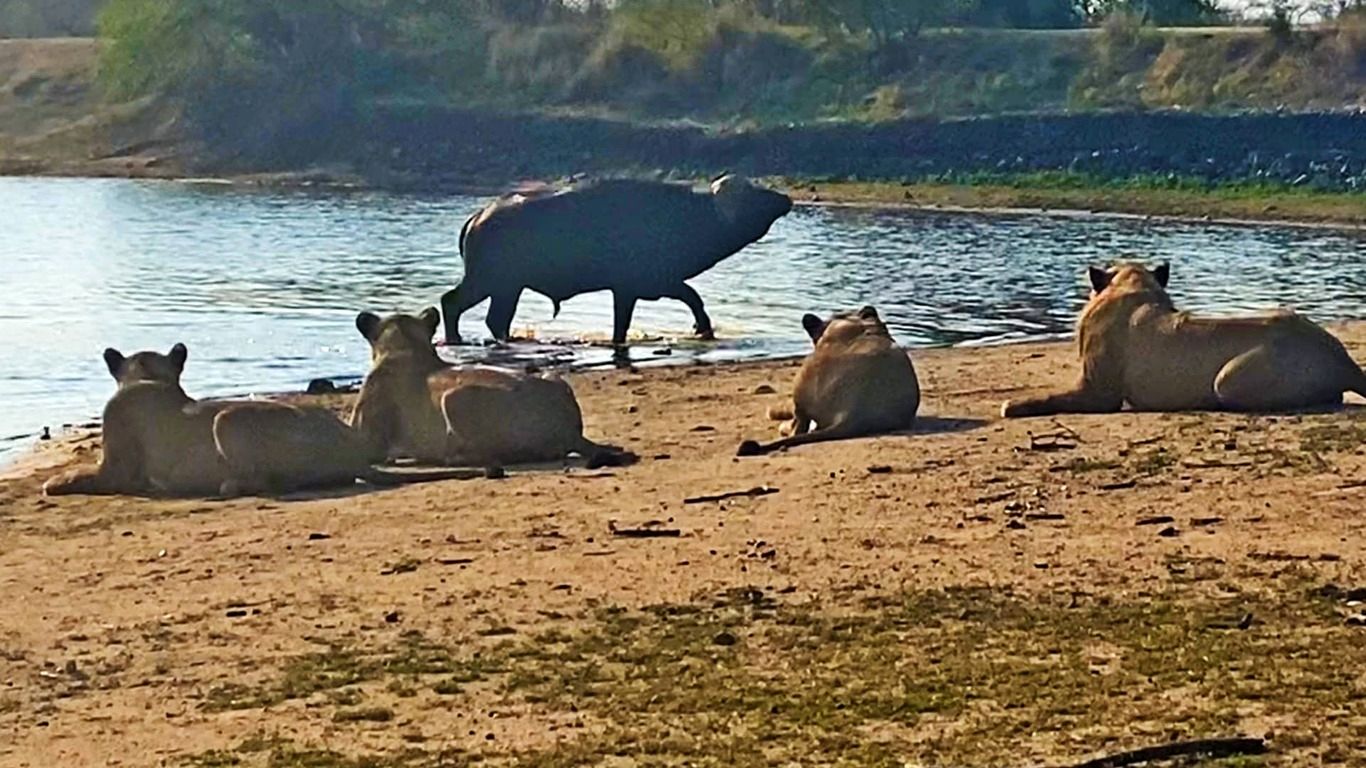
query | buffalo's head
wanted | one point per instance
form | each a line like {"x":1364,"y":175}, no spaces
{"x":399,"y":334}
{"x":146,"y":366}
{"x":742,"y":202}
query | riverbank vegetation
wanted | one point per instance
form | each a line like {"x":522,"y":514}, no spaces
{"x":738,"y":62}
{"x":1186,"y":198}
{"x":365,"y":86}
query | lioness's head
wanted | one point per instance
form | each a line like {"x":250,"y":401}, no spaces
{"x":844,"y":326}
{"x":146,"y":366}
{"x":397,"y":334}
{"x":1129,"y":276}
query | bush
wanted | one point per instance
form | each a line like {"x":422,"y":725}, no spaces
{"x":1120,"y":58}
{"x":255,"y":73}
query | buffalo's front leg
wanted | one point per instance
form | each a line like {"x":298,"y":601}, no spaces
{"x":501,"y":311}
{"x":701,"y":322}
{"x":623,"y":306}
{"x":454,"y":303}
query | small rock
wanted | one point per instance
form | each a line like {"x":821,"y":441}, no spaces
{"x":495,"y":473}
{"x":391,"y":617}
{"x":765,"y":389}
{"x":318,"y":536}
{"x":1156,"y":520}
{"x":1358,"y":620}
{"x":1015,"y":525}
{"x":704,"y":428}
{"x":724,"y":638}
{"x":880,"y":469}
{"x":1169,"y":532}
{"x":1245,"y":622}
{"x":236,"y":613}
{"x":321,"y":387}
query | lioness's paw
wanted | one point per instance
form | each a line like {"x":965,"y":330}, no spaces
{"x":749,"y":448}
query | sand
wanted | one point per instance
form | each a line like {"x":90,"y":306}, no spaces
{"x":283,"y":631}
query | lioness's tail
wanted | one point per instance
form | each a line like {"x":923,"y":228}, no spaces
{"x":842,"y":431}
{"x":84,"y":481}
{"x":599,"y":455}
{"x":388,"y":478}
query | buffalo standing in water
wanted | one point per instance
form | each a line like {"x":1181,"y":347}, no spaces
{"x":640,"y":239}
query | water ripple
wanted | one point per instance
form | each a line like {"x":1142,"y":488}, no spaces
{"x":264,"y":285}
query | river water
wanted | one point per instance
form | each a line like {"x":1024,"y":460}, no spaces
{"x":263,"y":286}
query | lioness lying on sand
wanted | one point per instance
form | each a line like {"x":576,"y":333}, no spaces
{"x":412,"y":404}
{"x":856,"y":382}
{"x":1137,"y":348}
{"x":159,"y":440}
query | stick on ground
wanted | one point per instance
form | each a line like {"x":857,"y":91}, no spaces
{"x":1205,"y":747}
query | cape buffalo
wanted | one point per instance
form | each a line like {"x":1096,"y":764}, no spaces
{"x":640,"y":239}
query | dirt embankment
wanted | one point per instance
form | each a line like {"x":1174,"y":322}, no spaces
{"x":979,"y":592}
{"x":54,"y":120}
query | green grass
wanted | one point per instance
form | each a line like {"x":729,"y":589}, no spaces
{"x":1155,"y":195}
{"x":853,"y":682}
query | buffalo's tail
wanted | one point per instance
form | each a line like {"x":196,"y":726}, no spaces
{"x":465,"y":231}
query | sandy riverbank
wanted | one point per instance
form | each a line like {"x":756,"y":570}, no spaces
{"x":956,"y":596}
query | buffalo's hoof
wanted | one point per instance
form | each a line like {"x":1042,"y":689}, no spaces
{"x":749,"y":448}
{"x":707,"y":335}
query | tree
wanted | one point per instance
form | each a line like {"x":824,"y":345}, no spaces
{"x":1162,"y":12}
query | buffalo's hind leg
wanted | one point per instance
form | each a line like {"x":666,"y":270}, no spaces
{"x":701,"y":322}
{"x":1269,"y":379}
{"x":454,"y":303}
{"x":501,"y":311}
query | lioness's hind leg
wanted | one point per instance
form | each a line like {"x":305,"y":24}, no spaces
{"x":475,"y":430}
{"x":1266,"y":378}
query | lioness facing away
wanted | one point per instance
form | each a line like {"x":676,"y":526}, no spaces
{"x":855,"y":382}
{"x":1137,"y":348}
{"x":159,"y":440}
{"x":413,"y":404}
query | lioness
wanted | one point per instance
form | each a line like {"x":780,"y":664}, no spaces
{"x":413,"y":404}
{"x":856,"y":382}
{"x":159,"y":440}
{"x":1137,"y":348}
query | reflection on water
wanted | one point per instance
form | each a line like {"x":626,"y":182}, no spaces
{"x":263,"y":286}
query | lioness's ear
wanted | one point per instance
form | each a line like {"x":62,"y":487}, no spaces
{"x":814,"y":326}
{"x":368,"y":325}
{"x":178,"y":355}
{"x":431,"y":318}
{"x":1163,"y":271}
{"x":114,"y":360}
{"x":1099,"y":278}
{"x":867,"y":313}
